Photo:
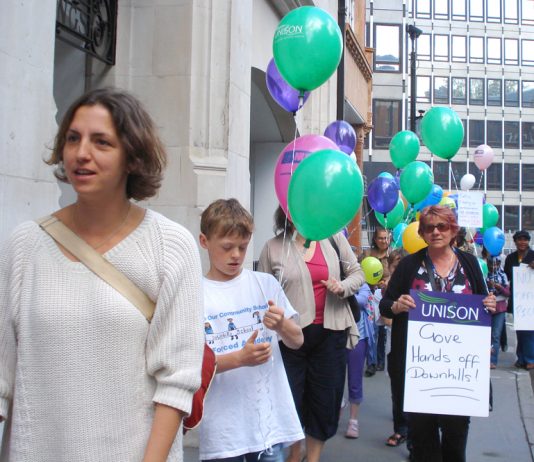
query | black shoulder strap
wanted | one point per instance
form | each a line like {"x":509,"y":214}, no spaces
{"x":334,"y":245}
{"x":430,"y":270}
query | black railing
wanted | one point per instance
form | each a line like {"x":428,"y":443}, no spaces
{"x":89,"y":25}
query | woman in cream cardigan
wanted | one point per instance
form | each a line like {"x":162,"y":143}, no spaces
{"x":316,"y":371}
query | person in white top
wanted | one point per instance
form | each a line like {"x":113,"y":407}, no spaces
{"x":83,"y":375}
{"x":249,"y":414}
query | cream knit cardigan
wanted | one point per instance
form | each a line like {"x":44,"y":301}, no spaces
{"x":80,"y":367}
{"x":281,"y":258}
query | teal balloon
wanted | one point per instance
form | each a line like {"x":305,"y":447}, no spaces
{"x":490,"y":216}
{"x":325,"y":192}
{"x":416,"y":181}
{"x":404,"y":148}
{"x":442,"y":132}
{"x":393,"y":217}
{"x":397,"y":234}
{"x":307,"y":47}
{"x":483,"y":266}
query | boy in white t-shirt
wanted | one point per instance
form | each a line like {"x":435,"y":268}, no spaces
{"x":249,"y":414}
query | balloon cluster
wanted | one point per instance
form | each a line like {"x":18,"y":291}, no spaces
{"x":317,"y":183}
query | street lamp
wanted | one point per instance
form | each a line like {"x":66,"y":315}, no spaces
{"x":413,"y":32}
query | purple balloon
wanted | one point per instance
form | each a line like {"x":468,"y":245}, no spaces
{"x":283,"y":93}
{"x":383,"y":194}
{"x":342,"y":133}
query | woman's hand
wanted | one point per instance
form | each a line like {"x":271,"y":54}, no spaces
{"x":403,"y":304}
{"x":334,"y":286}
{"x":490,"y":302}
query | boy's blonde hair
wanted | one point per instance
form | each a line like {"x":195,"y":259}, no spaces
{"x":226,"y":217}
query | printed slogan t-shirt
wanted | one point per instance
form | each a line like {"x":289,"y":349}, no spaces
{"x":247,"y":409}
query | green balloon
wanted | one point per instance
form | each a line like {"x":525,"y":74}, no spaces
{"x":393,"y":217}
{"x":325,"y":192}
{"x":404,"y":148}
{"x":416,"y":181}
{"x":483,"y":267}
{"x":307,"y":47}
{"x":442,"y":132}
{"x":490,"y":216}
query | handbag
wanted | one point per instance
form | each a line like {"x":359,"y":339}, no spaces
{"x":111,"y":275}
{"x":353,"y":301}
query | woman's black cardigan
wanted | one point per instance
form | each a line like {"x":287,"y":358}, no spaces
{"x":401,"y":282}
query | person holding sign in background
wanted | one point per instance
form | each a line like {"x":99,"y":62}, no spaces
{"x":439,"y":267}
{"x":524,"y":255}
{"x":249,"y":410}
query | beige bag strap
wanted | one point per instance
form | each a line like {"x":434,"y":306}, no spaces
{"x":98,"y":264}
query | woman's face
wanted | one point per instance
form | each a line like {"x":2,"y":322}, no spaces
{"x":382,"y":240}
{"x":93,"y":156}
{"x":437,"y":232}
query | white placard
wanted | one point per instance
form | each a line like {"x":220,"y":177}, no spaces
{"x":448,"y":357}
{"x":523,"y":298}
{"x":470,"y":208}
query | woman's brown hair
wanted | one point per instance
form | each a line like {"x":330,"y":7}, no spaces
{"x":145,"y":155}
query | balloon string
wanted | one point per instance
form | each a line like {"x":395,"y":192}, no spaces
{"x":453,"y":177}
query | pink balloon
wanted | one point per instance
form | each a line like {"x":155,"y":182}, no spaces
{"x":483,"y":156}
{"x":287,"y":162}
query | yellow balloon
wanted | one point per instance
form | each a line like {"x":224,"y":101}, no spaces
{"x":372,"y":270}
{"x":411,"y":241}
{"x":417,"y":215}
{"x":448,"y":202}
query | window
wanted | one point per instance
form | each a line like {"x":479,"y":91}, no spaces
{"x":511,"y":52}
{"x":476,"y":50}
{"x":476,"y":133}
{"x":494,"y":133}
{"x":459,"y":94}
{"x":423,"y":9}
{"x":372,"y":169}
{"x":528,"y":135}
{"x":511,"y":134}
{"x":511,"y":93}
{"x":441,"y":90}
{"x":459,"y":49}
{"x":511,"y":176}
{"x":511,"y":218}
{"x":527,"y":96}
{"x":527,"y":52}
{"x":441,"y":173}
{"x":527,"y":177}
{"x":476,"y":92}
{"x":441,"y":9}
{"x":527,"y":217}
{"x":493,"y":11}
{"x":510,"y":11}
{"x":476,"y":10}
{"x":494,"y":92}
{"x":458,"y":10}
{"x":423,"y":47}
{"x":387,"y":46}
{"x":387,"y":121}
{"x":527,"y":12}
{"x":441,"y":48}
{"x":423,"y":89}
{"x":464,"y":141}
{"x":494,"y":50}
{"x":494,"y":177}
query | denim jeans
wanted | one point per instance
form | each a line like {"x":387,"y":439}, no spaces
{"x":497,"y":325}
{"x":276,"y":454}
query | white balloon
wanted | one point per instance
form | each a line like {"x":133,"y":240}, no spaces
{"x":467,"y":182}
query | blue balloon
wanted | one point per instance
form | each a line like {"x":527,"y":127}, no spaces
{"x":397,"y":233}
{"x":493,"y":241}
{"x":386,"y":175}
{"x":342,"y":133}
{"x":433,"y":198}
{"x":383,"y":194}
{"x":477,"y":238}
{"x":283,"y":93}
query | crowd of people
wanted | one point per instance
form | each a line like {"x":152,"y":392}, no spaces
{"x":90,"y":371}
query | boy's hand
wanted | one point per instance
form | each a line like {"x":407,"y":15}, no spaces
{"x":274,"y":317}
{"x":254,"y":354}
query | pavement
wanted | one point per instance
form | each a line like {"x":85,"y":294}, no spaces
{"x":506,"y":435}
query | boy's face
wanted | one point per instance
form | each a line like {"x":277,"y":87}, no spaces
{"x":226,"y":254}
